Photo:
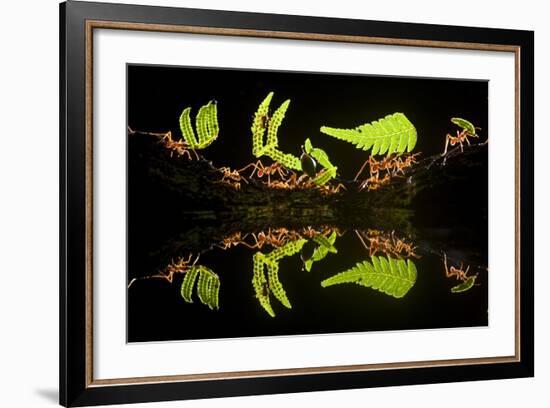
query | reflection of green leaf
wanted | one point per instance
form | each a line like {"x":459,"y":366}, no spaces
{"x":188,"y":283}
{"x":391,"y":134}
{"x":263,"y":286}
{"x":325,"y":245}
{"x":259,"y":282}
{"x":394,"y":277}
{"x":208,"y":286}
{"x":275,"y":285}
{"x":464,"y":286}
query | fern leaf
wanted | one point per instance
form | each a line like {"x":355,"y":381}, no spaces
{"x":394,"y":277}
{"x":212,"y":120}
{"x":391,"y":134}
{"x":186,"y":128}
{"x":200,"y":124}
{"x":274,"y":123}
{"x":259,"y":283}
{"x":259,"y":125}
{"x":188,"y":283}
{"x":275,"y":285}
{"x":286,"y":159}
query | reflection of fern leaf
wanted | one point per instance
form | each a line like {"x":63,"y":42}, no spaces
{"x":260,"y":284}
{"x":391,"y":134}
{"x":208,"y":286}
{"x":287,"y":249}
{"x":214,"y":293}
{"x":275,"y":285}
{"x":394,"y":277}
{"x":188,"y":283}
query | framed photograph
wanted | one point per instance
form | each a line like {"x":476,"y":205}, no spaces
{"x":256,"y":203}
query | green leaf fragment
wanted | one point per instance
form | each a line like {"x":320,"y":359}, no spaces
{"x":464,"y":286}
{"x":188,"y":283}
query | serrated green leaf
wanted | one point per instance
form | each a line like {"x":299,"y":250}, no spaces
{"x":387,"y":275}
{"x":188,"y":283}
{"x":391,"y":134}
{"x":187,"y":129}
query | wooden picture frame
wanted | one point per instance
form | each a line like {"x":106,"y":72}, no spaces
{"x":78,"y":386}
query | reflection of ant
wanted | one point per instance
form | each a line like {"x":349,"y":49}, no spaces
{"x":233,"y":240}
{"x":180,"y":266}
{"x":459,"y":273}
{"x":389,"y":244}
{"x":275,"y":237}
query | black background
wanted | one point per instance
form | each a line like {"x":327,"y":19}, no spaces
{"x":156,"y":97}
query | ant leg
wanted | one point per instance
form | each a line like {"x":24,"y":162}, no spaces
{"x":253,"y":165}
{"x":447,"y":139}
{"x":361,"y":170}
{"x":447,"y":274}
